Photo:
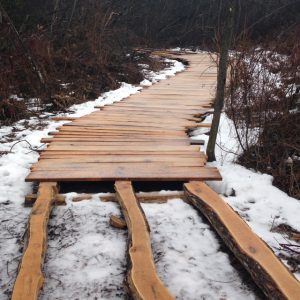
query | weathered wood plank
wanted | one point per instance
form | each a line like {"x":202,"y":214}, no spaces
{"x":156,"y":173}
{"x":142,"y":278}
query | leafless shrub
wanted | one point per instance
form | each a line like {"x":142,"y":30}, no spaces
{"x":263,"y":102}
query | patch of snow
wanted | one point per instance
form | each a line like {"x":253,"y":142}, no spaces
{"x":258,"y":202}
{"x":146,"y":82}
{"x":86,"y":257}
{"x":15,"y":166}
{"x":188,"y":256}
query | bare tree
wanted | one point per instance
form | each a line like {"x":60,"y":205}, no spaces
{"x":226,"y":37}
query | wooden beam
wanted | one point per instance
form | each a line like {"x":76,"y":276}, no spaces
{"x":30,"y":199}
{"x":142,"y":278}
{"x":143,"y":197}
{"x":30,"y":277}
{"x":266,"y":269}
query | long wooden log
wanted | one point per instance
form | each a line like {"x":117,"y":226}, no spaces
{"x":30,"y":277}
{"x":142,"y":278}
{"x":266,"y":269}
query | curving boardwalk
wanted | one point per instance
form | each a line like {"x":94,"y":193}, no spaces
{"x":143,"y":138}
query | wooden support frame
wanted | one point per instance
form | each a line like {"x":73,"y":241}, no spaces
{"x":148,"y":197}
{"x":265,"y":268}
{"x":30,"y":277}
{"x":142,"y":278}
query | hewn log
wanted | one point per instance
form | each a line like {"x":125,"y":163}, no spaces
{"x":266,"y":269}
{"x":142,"y":278}
{"x":117,"y":222}
{"x":30,"y":277}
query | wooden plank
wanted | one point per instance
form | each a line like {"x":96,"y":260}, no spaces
{"x":116,"y":142}
{"x":94,"y":166}
{"x":70,"y":153}
{"x":124,"y":159}
{"x":156,"y":173}
{"x":265,"y":268}
{"x":30,"y":277}
{"x":142,"y":277}
{"x":135,"y":148}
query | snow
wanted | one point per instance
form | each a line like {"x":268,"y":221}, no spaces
{"x":188,"y":255}
{"x":251,"y":194}
{"x":86,"y":258}
{"x":15,"y":165}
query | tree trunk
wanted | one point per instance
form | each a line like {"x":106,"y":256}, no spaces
{"x":226,"y":37}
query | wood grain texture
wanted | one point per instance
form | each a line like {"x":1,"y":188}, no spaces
{"x":266,"y":269}
{"x":30,"y":276}
{"x":142,"y":278}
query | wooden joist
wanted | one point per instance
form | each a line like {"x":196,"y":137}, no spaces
{"x":30,"y":276}
{"x":143,"y":197}
{"x":30,"y":199}
{"x":265,"y":268}
{"x":142,"y":278}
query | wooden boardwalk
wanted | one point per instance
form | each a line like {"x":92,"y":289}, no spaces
{"x":143,"y":138}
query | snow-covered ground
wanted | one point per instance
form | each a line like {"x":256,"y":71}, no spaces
{"x":251,"y":194}
{"x":15,"y":162}
{"x":86,"y":258}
